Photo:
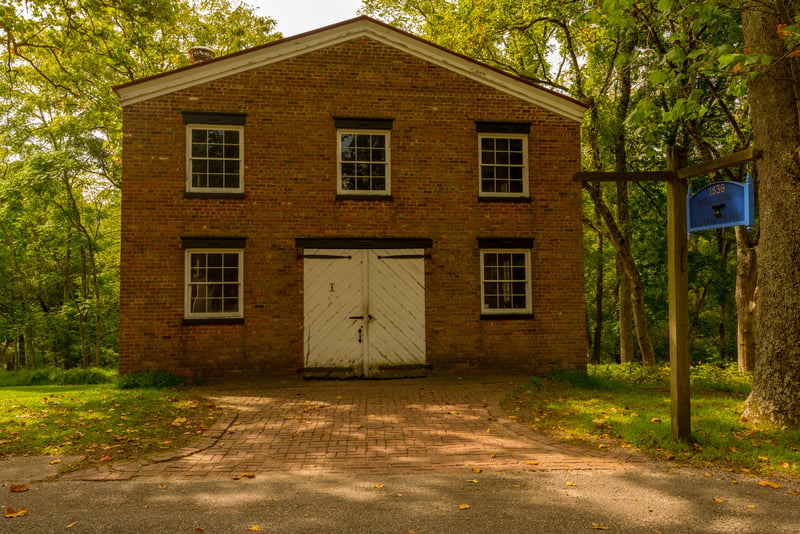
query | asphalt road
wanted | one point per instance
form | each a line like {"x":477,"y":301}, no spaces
{"x":645,"y":498}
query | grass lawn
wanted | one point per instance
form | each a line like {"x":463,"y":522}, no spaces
{"x":608,"y":409}
{"x":100,"y":422}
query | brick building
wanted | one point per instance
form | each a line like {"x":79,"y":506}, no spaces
{"x":352,"y":201}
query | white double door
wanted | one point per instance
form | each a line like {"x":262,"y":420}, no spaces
{"x":364,"y":310}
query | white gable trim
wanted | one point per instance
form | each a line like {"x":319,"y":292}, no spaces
{"x":360,"y":27}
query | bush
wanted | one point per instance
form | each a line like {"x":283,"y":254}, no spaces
{"x":148,"y":379}
{"x":53,"y":376}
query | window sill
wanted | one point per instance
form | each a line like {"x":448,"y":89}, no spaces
{"x":518,"y":200}
{"x":340,"y":196}
{"x":195,"y":194}
{"x":211,"y":320}
{"x":506,"y":316}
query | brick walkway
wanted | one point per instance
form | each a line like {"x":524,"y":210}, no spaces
{"x":431,"y":424}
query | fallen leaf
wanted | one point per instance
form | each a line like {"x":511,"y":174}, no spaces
{"x":71,"y":524}
{"x":768,"y":484}
{"x":763,"y":459}
{"x":254,"y":528}
{"x":716,"y":499}
{"x":248,"y":475}
{"x":531,"y":463}
{"x":10,"y":512}
{"x":476,"y":469}
{"x":106,"y":458}
{"x":598,"y":526}
{"x":793,"y":492}
{"x":18,"y":488}
{"x":162,"y":486}
{"x":178,"y":421}
{"x":655,"y":420}
{"x":473,"y":481}
{"x":707,"y":475}
{"x":571,"y":484}
{"x":378,"y":486}
{"x":56,"y":461}
{"x":464,"y":507}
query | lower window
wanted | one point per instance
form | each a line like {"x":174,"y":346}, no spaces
{"x":505,"y":281}
{"x":213,"y":283}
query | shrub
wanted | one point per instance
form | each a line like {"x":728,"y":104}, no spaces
{"x":148,"y":379}
{"x":53,"y":376}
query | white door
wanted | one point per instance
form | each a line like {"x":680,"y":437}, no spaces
{"x":364,"y":311}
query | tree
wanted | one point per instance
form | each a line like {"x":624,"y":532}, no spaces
{"x":772,"y":36}
{"x":60,"y":155}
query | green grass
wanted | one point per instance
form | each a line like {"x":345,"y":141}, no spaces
{"x":629,"y":407}
{"x":101,"y":422}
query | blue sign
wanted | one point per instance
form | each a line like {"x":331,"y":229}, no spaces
{"x":721,"y":204}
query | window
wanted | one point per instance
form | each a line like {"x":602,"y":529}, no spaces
{"x":506,"y":276}
{"x":214,"y":152}
{"x":215,"y":159}
{"x":213,"y":278}
{"x":503,"y":159}
{"x":363,"y":157}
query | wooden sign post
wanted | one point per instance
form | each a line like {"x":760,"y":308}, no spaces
{"x":676,"y":178}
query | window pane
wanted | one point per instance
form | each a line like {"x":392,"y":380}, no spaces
{"x":379,"y":184}
{"x":348,"y":183}
{"x":231,"y":137}
{"x":215,"y":136}
{"x":487,"y":143}
{"x":348,"y":154}
{"x":216,"y":180}
{"x":363,"y":140}
{"x":198,"y":150}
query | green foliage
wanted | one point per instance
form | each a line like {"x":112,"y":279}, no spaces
{"x":54,"y":376}
{"x":60,"y":154}
{"x":156,"y":379}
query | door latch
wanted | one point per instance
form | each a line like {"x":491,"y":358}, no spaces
{"x":360,"y":331}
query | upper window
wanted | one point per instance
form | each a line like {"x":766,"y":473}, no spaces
{"x":363,"y":157}
{"x":505,"y":276}
{"x":503,"y":159}
{"x":215,"y":159}
{"x":214,"y":152}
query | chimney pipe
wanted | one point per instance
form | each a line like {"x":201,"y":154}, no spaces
{"x":199,"y":54}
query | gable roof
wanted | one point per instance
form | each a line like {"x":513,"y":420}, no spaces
{"x":185,"y":77}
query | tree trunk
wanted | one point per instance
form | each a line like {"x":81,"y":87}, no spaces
{"x":598,"y":301}
{"x":746,"y":291}
{"x":637,"y":286}
{"x":774,"y":103}
{"x":625,"y":313}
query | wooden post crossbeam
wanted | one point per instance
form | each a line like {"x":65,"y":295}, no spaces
{"x":677,"y":265}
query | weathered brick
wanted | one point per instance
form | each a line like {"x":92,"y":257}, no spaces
{"x":290,"y":187}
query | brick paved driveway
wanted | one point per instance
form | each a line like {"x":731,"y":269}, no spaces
{"x":433,"y":424}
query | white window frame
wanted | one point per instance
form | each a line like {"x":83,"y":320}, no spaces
{"x":188,"y":284}
{"x":525,"y":193}
{"x":528,"y":309}
{"x":387,"y":191}
{"x":190,"y":188}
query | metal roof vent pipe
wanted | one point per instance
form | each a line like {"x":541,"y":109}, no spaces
{"x":199,"y":54}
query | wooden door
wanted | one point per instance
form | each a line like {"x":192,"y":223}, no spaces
{"x":364,"y":312}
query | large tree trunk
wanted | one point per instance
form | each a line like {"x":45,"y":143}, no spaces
{"x":774,"y":102}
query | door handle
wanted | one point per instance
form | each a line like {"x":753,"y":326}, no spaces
{"x":359,"y":335}
{"x":369,"y":317}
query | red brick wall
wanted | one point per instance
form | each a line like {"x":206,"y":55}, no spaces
{"x":290,"y":186}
